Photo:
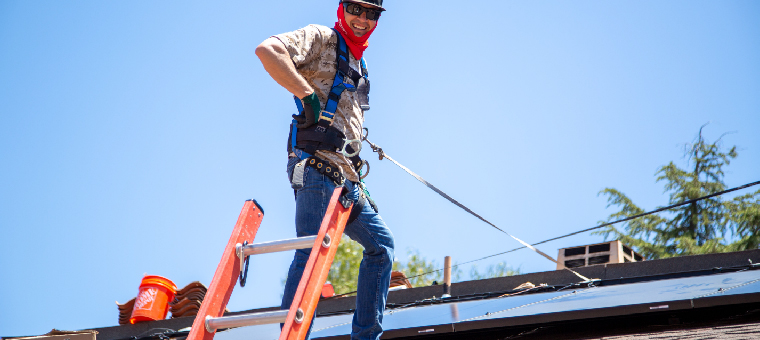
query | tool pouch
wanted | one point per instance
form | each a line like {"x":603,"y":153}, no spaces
{"x":296,"y":180}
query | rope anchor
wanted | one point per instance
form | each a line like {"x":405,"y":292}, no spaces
{"x":374,"y":147}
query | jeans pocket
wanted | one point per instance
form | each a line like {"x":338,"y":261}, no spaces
{"x":297,"y":173}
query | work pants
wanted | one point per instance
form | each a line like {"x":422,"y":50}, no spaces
{"x":368,"y":229}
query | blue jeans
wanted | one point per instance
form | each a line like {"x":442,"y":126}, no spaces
{"x":368,"y":229}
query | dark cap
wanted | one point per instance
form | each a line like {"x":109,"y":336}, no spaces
{"x":376,"y":3}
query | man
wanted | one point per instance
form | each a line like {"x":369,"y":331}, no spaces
{"x":326,"y":135}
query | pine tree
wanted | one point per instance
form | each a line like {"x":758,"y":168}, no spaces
{"x":696,"y":228}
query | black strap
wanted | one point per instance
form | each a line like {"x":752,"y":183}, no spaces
{"x":344,"y":67}
{"x":324,"y":167}
{"x":356,"y":210}
{"x":328,"y":138}
{"x":331,"y":138}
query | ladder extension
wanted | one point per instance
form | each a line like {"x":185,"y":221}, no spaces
{"x":299,"y":316}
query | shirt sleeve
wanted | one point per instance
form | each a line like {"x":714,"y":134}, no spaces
{"x":303,"y":44}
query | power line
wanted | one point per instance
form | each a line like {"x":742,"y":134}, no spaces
{"x":587,"y":229}
{"x":648,"y":213}
{"x":382,"y":155}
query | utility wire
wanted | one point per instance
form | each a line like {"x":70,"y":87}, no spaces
{"x":603,"y":225}
{"x":382,"y":155}
{"x":651,"y":212}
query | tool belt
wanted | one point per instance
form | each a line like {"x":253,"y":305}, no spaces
{"x":322,"y":166}
{"x":333,"y":172}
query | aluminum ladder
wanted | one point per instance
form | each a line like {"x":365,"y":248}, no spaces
{"x":298,"y":318}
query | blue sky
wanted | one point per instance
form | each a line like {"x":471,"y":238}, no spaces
{"x":131,"y":132}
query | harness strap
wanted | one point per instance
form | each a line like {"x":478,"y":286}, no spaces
{"x":364,"y":68}
{"x":322,"y":136}
{"x":339,"y":85}
{"x":356,"y":210}
{"x":344,"y":67}
{"x":331,"y":137}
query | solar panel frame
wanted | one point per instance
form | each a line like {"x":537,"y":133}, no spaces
{"x":654,"y":296}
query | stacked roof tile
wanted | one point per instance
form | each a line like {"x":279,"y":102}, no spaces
{"x":398,"y":279}
{"x":188,"y":300}
{"x":125,"y":311}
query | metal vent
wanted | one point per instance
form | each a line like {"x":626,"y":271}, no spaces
{"x":598,"y":259}
{"x":575,"y":263}
{"x":575,"y":251}
{"x":599,"y":248}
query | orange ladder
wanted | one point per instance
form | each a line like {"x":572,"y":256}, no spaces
{"x":298,"y":318}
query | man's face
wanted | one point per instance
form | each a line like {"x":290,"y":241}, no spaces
{"x":359,"y":24}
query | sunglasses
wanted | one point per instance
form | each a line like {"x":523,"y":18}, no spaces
{"x":357,"y":10}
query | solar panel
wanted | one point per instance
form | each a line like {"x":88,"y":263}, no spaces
{"x":569,"y":304}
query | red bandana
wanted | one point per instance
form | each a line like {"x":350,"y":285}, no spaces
{"x":357,"y":45}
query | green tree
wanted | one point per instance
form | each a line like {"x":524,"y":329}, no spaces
{"x":344,"y":271}
{"x":495,"y":270}
{"x":421,"y":272}
{"x":696,"y":228}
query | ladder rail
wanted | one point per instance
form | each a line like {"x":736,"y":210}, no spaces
{"x":317,"y":267}
{"x":297,"y":319}
{"x":226,"y":274}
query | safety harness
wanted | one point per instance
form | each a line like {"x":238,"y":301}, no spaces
{"x":304,"y":142}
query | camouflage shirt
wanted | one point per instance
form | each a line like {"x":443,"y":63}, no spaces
{"x":312,"y":50}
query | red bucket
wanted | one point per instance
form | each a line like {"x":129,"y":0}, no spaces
{"x":152,"y":303}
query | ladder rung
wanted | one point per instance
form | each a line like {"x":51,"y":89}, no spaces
{"x":212,"y":324}
{"x":281,"y":245}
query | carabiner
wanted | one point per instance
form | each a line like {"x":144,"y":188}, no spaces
{"x":348,"y":142}
{"x":362,"y":176}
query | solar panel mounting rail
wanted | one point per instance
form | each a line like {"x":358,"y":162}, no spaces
{"x":298,"y":318}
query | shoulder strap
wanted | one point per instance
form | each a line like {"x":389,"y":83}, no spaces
{"x":339,"y":84}
{"x":364,"y":69}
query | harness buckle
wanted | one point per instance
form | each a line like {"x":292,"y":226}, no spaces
{"x":346,"y":143}
{"x":325,"y":115}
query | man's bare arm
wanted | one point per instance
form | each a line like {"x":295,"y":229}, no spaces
{"x":276,"y":60}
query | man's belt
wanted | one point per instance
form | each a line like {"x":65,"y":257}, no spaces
{"x":324,"y":167}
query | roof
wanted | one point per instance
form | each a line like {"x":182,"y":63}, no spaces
{"x":699,"y":295}
{"x":573,"y":302}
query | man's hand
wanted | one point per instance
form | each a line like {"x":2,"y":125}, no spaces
{"x":310,"y":113}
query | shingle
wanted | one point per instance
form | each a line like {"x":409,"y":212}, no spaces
{"x":749,"y":331}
